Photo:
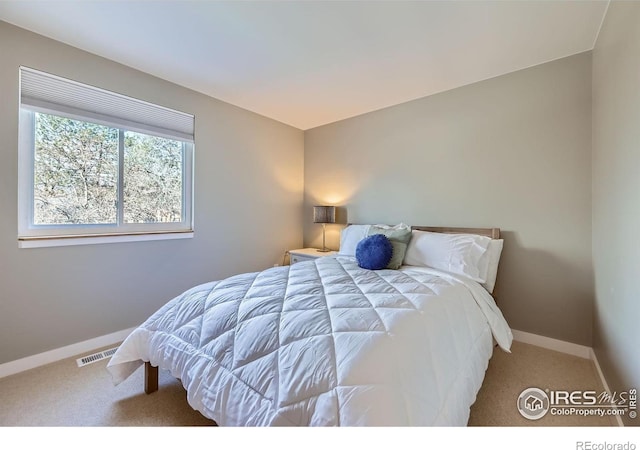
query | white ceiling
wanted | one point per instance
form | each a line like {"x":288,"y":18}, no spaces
{"x":308,"y":63}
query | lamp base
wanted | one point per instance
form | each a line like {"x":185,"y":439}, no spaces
{"x":324,"y":248}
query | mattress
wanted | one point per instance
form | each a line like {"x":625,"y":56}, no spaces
{"x":325,"y":343}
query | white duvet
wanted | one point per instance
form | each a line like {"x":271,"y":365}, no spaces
{"x":325,"y":342}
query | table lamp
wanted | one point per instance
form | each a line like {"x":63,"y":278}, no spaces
{"x":324,"y":215}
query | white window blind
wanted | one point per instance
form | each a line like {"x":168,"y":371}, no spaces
{"x":43,"y":92}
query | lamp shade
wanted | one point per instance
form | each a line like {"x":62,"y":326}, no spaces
{"x":324,"y":214}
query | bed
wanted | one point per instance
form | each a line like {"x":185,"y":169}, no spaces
{"x":326,"y":343}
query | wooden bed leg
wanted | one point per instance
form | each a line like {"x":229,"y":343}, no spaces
{"x":150,"y":378}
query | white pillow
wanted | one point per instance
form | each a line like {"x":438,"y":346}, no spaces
{"x":349,"y":238}
{"x":489,"y":262}
{"x":456,"y":253}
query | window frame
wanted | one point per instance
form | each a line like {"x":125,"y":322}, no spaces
{"x":36,"y":235}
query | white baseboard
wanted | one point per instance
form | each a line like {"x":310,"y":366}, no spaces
{"x":594,"y":358}
{"x":30,"y":362}
{"x":553,"y":344}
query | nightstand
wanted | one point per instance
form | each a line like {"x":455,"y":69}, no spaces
{"x":307,"y":254}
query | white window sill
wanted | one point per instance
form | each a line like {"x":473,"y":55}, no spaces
{"x":101,"y":239}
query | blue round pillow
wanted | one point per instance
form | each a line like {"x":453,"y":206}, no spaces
{"x":374,"y":252}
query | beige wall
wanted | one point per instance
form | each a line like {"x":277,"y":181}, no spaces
{"x":616,"y":196}
{"x":512,"y":152}
{"x":248,"y":198}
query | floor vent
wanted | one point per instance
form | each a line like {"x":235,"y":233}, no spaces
{"x":95,"y":357}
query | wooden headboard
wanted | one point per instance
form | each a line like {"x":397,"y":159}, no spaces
{"x":493,"y":233}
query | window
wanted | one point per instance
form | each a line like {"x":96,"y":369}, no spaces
{"x":95,"y":163}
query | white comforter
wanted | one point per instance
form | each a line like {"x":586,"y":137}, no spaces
{"x":325,"y":342}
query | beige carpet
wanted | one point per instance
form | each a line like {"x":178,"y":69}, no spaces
{"x":530,"y":366}
{"x":61,"y":394}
